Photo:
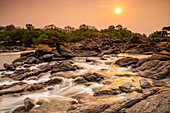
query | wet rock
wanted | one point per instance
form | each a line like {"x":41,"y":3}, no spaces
{"x":27,"y":54}
{"x":93,"y":77}
{"x":20,"y":59}
{"x":31,"y":60}
{"x":9,"y":66}
{"x":20,"y":109}
{"x":158,"y":83}
{"x":161,"y":56}
{"x":48,"y":57}
{"x":158,"y":70}
{"x":126,"y":87}
{"x":28,"y":104}
{"x":141,"y":61}
{"x":126,"y":61}
{"x":54,"y":80}
{"x":63,"y":66}
{"x":144,"y":83}
{"x":35,"y":86}
{"x":148,"y":65}
{"x":110,"y":106}
{"x":27,"y":74}
{"x":56,"y":54}
{"x":14,"y":88}
{"x":156,"y":103}
{"x":80,"y":80}
{"x":110,"y":51}
{"x":108,"y":92}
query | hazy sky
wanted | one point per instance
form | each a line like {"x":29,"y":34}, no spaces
{"x":143,"y":16}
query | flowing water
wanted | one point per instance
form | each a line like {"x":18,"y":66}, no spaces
{"x":67,"y":90}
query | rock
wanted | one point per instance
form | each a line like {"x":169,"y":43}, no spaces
{"x":134,"y":40}
{"x":20,"y":59}
{"x":148,"y":65}
{"x":35,"y":86}
{"x":126,"y":87}
{"x":56,"y":54}
{"x":134,"y":51}
{"x":126,"y":61}
{"x":20,"y":109}
{"x":48,"y":57}
{"x":54,"y":80}
{"x":158,"y":83}
{"x":28,"y":104}
{"x":9,"y":66}
{"x":80,"y":80}
{"x":144,"y":83}
{"x":107,"y":92}
{"x":111,"y":106}
{"x":31,"y":60}
{"x":27,"y":54}
{"x":155,"y":103}
{"x":43,"y":48}
{"x":157,"y":70}
{"x":141,"y":61}
{"x":93,"y":77}
{"x":161,"y":56}
{"x":110,"y":51}
{"x":14,"y":88}
{"x":63,"y":66}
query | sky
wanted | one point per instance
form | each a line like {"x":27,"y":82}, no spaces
{"x":142,"y":16}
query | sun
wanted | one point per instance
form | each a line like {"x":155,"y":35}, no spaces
{"x":118,"y":10}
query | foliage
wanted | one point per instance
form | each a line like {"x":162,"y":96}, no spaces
{"x":32,"y":35}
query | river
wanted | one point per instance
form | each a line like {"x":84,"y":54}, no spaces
{"x":67,"y":90}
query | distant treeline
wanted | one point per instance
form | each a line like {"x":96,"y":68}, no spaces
{"x":32,"y":35}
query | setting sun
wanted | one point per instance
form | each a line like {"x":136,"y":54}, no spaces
{"x":118,"y":10}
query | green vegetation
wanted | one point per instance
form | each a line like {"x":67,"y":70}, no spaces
{"x":32,"y":35}
{"x":161,"y":34}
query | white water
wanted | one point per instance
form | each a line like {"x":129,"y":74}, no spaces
{"x":66,"y":90}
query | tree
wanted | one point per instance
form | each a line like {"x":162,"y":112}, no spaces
{"x":29,"y":26}
{"x":9,"y":27}
{"x":111,"y":27}
{"x":50,"y":27}
{"x":119,"y":27}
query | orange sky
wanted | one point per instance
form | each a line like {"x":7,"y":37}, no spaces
{"x":143,"y":16}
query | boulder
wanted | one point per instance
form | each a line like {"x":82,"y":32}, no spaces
{"x":48,"y":57}
{"x":14,"y":88}
{"x":161,"y":56}
{"x":9,"y":67}
{"x":158,"y":83}
{"x":28,"y":104}
{"x":93,"y":77}
{"x":126,"y":87}
{"x":30,"y":53}
{"x":20,"y":109}
{"x":126,"y":61}
{"x":20,"y":59}
{"x":79,"y":80}
{"x":107,"y":92}
{"x":31,"y":60}
{"x":144,"y":83}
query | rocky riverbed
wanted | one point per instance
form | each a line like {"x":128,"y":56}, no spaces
{"x":89,"y":76}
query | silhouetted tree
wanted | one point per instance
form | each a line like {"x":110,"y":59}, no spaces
{"x":29,"y":26}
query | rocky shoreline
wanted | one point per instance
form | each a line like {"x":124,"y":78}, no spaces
{"x":94,"y":84}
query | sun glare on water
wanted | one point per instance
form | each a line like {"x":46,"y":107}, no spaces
{"x":118,"y":10}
